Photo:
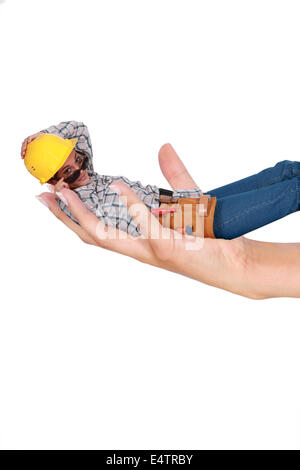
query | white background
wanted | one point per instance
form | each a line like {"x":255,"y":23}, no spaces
{"x":98,"y":350}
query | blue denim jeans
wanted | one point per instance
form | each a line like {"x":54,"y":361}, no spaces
{"x":258,"y":200}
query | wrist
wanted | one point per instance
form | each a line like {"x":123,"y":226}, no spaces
{"x":242,"y":271}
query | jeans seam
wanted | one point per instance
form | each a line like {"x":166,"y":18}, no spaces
{"x":265,"y":203}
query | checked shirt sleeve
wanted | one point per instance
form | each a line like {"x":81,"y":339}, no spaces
{"x":187,"y":192}
{"x":74,"y":129}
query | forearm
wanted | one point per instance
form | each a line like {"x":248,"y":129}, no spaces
{"x":273,"y":269}
{"x":220,"y":263}
{"x":253,"y":269}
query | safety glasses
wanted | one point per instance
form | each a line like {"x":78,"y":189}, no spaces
{"x":69,"y":174}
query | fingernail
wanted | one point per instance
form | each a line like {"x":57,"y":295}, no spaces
{"x":50,"y":187}
{"x":39,"y":198}
{"x":116,"y":189}
{"x":62,"y":198}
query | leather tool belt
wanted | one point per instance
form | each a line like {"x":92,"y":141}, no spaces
{"x":192,"y":216}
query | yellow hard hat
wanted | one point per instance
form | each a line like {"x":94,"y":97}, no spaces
{"x":46,"y":154}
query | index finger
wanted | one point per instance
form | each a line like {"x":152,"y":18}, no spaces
{"x":49,"y":200}
{"x":59,"y":185}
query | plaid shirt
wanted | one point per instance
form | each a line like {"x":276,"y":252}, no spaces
{"x":97,"y":195}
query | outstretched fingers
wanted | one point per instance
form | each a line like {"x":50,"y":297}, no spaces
{"x":91,"y":229}
{"x":49,"y":200}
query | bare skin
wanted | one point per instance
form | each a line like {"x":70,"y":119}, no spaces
{"x":257,"y":270}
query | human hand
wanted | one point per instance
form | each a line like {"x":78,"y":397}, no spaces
{"x":254,"y":269}
{"x":215,"y":262}
{"x":56,"y":188}
{"x":27,"y":141}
